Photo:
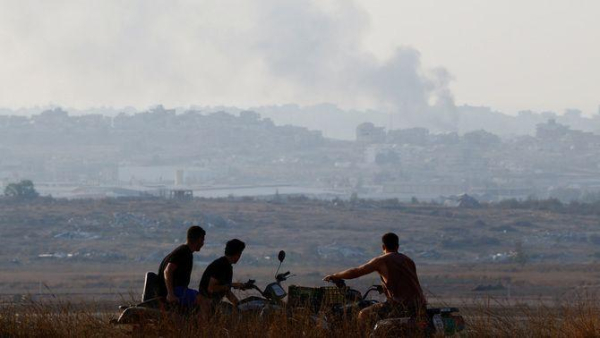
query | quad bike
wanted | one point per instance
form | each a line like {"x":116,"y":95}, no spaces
{"x":354,"y":300}
{"x":154,"y":308}
{"x":437,"y":322}
{"x":444,"y":321}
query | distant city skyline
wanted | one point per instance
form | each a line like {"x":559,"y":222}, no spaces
{"x":382,"y":54}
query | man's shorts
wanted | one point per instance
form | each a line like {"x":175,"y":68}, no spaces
{"x":187,"y":297}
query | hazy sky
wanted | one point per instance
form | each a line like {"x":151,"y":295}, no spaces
{"x":385,"y":54}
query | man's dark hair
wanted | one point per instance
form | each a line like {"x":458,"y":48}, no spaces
{"x":391,"y":241}
{"x":234,"y":247}
{"x":195,"y":232}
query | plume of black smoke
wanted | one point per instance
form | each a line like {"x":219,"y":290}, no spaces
{"x":144,"y":52}
{"x":322,"y":55}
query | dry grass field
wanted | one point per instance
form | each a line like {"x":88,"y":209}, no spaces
{"x":512,"y":271}
{"x":576,"y":319}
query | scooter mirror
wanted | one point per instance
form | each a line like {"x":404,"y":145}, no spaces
{"x":281,"y":256}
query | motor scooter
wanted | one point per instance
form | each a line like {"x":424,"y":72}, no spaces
{"x":153,"y":308}
{"x":270,"y":299}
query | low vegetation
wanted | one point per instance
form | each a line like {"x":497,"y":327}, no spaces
{"x":539,"y":255}
{"x":490,"y":318}
{"x":90,"y":247}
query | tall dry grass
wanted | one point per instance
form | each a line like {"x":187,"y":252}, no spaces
{"x":576,"y":318}
{"x":68,"y":320}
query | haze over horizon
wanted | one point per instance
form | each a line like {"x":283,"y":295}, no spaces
{"x":393,"y":56}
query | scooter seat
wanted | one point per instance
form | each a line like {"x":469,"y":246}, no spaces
{"x":442,"y":310}
{"x":150,"y":286}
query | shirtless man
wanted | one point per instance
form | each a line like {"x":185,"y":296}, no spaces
{"x":400,"y":282}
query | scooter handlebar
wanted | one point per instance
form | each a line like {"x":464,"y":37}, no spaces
{"x":248,"y":285}
{"x":282,"y":276}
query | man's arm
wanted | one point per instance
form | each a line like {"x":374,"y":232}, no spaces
{"x":232,"y":298}
{"x":215,"y":287}
{"x":362,"y":270}
{"x":169,"y":270}
{"x":237,"y":285}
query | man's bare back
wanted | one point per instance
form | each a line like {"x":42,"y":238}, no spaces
{"x":399,"y":276}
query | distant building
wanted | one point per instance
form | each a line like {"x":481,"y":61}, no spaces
{"x":419,"y":136}
{"x":462,"y":201}
{"x":249,"y":116}
{"x":382,"y":155}
{"x":179,"y":177}
{"x":367,"y":133}
{"x":181,"y":194}
{"x":481,"y":138}
{"x":551,"y":130}
{"x":51,"y":118}
{"x":466,"y":201}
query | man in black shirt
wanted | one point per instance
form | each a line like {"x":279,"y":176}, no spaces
{"x":216,"y":281}
{"x":176,"y":269}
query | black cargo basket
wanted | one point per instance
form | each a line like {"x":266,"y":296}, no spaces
{"x":315,"y":298}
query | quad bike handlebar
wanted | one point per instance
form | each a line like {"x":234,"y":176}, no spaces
{"x":341,"y":283}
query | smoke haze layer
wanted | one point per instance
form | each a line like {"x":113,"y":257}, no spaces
{"x":210,"y":52}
